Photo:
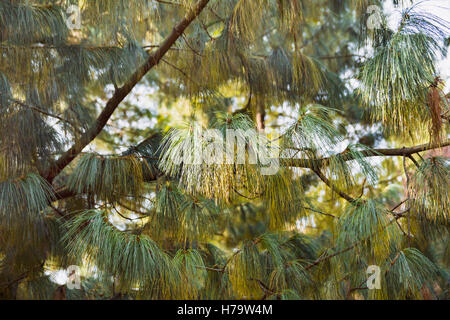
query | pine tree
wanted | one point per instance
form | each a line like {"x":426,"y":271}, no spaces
{"x":81,"y":184}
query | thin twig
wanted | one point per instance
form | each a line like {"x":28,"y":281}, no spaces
{"x":408,"y":197}
{"x":332,"y":187}
{"x":321,"y":212}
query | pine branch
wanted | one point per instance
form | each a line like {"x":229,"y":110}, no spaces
{"x":169,"y":3}
{"x":21,"y":277}
{"x":333,"y":187}
{"x":355,"y":244}
{"x":321,"y":212}
{"x":408,"y":196}
{"x":64,"y":192}
{"x":121,"y":93}
{"x":396,"y":152}
{"x":39,"y":110}
{"x":341,"y":57}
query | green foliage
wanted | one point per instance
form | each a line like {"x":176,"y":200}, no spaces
{"x":290,"y":276}
{"x":245,"y":270}
{"x":313,"y":132}
{"x":165,"y":221}
{"x":191,"y":264}
{"x":395,"y":82}
{"x":282,"y":197}
{"x":213,"y":166}
{"x":21,"y":203}
{"x":342,"y":171}
{"x":272,"y":265}
{"x":108,"y":177}
{"x":25,"y":21}
{"x":429,"y":188}
{"x":137,"y":259}
{"x":197,"y":220}
{"x":406,"y":276}
{"x":368,"y":223}
{"x":166,"y":214}
{"x":185,"y":219}
{"x":303,"y":246}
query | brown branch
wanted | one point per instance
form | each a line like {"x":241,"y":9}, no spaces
{"x":401,"y":229}
{"x":59,"y":212}
{"x":413,"y":160}
{"x":124,"y":217}
{"x":396,"y":152}
{"x":145,"y":215}
{"x":321,"y":212}
{"x":121,"y":93}
{"x":190,"y":47}
{"x":333,"y":187}
{"x":408,"y":197}
{"x":359,"y":288}
{"x":398,"y":205}
{"x":64,"y":192}
{"x":211,"y":269}
{"x":36,"y":109}
{"x":180,"y":71}
{"x":169,"y":2}
{"x":362,"y":188}
{"x":264,"y":287}
{"x":393,"y":262}
{"x":341,"y":57}
{"x":246,"y":197}
{"x":331,"y":256}
{"x":23,"y":276}
{"x":12,"y":282}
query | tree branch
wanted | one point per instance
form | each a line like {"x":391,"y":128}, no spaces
{"x":320,"y":212}
{"x":333,"y":187}
{"x":398,"y":152}
{"x":408,"y":196}
{"x":121,"y":93}
{"x":64,"y":192}
{"x":39,"y":110}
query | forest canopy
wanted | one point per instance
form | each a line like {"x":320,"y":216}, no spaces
{"x":223,"y":149}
